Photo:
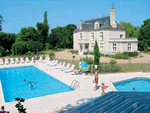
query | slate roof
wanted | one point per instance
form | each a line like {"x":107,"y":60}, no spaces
{"x":116,"y":102}
{"x":88,"y":25}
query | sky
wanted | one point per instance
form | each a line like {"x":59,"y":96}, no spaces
{"x":26,"y":13}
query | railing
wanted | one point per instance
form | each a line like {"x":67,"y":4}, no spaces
{"x":75,"y":84}
{"x":123,"y":39}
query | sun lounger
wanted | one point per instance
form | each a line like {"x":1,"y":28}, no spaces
{"x":6,"y":61}
{"x":21,"y":60}
{"x":40,"y":59}
{"x":52,"y":62}
{"x":55,"y":63}
{"x":65,"y":68}
{"x":1,"y":62}
{"x":32,"y":59}
{"x":58,"y":66}
{"x":76,"y":72}
{"x":12,"y":61}
{"x":70,"y":69}
{"x":62,"y":66}
{"x":46,"y":59}
{"x":16,"y":60}
{"x":27,"y":60}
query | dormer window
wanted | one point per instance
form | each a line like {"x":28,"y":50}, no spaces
{"x":96,"y":26}
{"x":80,"y":27}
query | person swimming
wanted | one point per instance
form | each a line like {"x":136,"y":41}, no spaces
{"x":30,"y":84}
{"x":133,"y":89}
{"x":24,"y":80}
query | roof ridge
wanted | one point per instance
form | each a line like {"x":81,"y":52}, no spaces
{"x":95,"y":18}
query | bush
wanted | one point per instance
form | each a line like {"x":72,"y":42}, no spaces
{"x":55,"y":47}
{"x":76,"y":51}
{"x":88,"y":60}
{"x":47,"y":46}
{"x":2,"y":51}
{"x":19,"y":48}
{"x":142,"y":45}
{"x":124,"y":56}
{"x":91,"y":53}
{"x":135,"y":53}
{"x":51,"y":54}
{"x":117,"y":55}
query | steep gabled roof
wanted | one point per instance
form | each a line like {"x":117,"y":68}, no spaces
{"x":88,"y":25}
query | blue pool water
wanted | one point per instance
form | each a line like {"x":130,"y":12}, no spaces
{"x":44,"y":84}
{"x":140,"y":84}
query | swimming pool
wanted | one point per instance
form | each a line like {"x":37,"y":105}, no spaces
{"x":141,"y":84}
{"x":13,"y":85}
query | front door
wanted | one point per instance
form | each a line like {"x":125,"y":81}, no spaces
{"x":80,"y":47}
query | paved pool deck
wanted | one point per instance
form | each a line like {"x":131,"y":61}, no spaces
{"x":55,"y":102}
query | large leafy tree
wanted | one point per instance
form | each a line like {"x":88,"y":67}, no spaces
{"x":42,"y":31}
{"x":145,"y":32}
{"x":1,"y":20}
{"x":96,"y":53}
{"x":46,"y":22}
{"x":7,"y":39}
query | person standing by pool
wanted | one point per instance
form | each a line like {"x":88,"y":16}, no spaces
{"x":30,"y":84}
{"x":133,"y":89}
{"x":103,"y":86}
{"x":95,"y":80}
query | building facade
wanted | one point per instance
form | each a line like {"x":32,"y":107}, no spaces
{"x":108,"y":33}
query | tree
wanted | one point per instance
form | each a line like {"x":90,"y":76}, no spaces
{"x":2,"y":51}
{"x":42,"y":31}
{"x":142,"y":45}
{"x":96,"y":53}
{"x":129,"y":29}
{"x":145,"y":32}
{"x":45,"y":17}
{"x":1,"y":20}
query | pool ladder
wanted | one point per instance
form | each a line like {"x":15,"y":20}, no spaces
{"x":75,"y":84}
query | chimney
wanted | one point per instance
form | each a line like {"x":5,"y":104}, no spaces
{"x":112,"y":18}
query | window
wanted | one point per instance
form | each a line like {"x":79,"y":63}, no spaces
{"x":114,"y":47}
{"x":92,"y":36}
{"x":101,"y":43}
{"x":121,"y":35}
{"x":86,"y":46}
{"x":80,"y":35}
{"x":129,"y":46}
{"x":101,"y":47}
{"x":101,"y":35}
{"x":96,"y":26}
{"x":92,"y":44}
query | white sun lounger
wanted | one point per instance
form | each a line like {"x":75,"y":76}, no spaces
{"x":6,"y":61}
{"x":16,"y":60}
{"x":52,"y":62}
{"x":67,"y":67}
{"x":1,"y":62}
{"x":12,"y":61}
{"x":62,"y":66}
{"x":27,"y":60}
{"x":40,"y":59}
{"x":70,"y":69}
{"x":58,"y":66}
{"x":32,"y":59}
{"x":21,"y":60}
{"x":55,"y":63}
{"x":46,"y":59}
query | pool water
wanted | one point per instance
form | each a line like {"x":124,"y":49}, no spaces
{"x":141,"y":85}
{"x":13,"y":85}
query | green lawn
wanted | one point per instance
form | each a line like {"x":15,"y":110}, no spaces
{"x":50,"y":51}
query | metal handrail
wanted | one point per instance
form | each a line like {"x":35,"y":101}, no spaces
{"x":75,"y":82}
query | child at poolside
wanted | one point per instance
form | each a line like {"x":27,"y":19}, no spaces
{"x":103,"y":86}
{"x":95,"y":80}
{"x":2,"y":109}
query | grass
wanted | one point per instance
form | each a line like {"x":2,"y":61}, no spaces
{"x":49,"y":51}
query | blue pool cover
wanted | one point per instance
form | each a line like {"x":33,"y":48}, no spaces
{"x":116,"y":102}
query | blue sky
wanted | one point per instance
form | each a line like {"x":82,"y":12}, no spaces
{"x":26,"y":13}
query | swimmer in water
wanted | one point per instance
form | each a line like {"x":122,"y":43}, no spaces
{"x":24,"y":80}
{"x":30,"y":84}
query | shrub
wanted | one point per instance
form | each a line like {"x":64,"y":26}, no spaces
{"x":88,"y":60}
{"x":2,"y":51}
{"x":142,"y":45}
{"x":76,"y":51}
{"x":51,"y":54}
{"x":135,"y":53}
{"x":19,"y":48}
{"x":55,"y":47}
{"x":124,"y":56}
{"x":91,"y":53}
{"x":117,"y":56}
{"x":47,"y":46}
